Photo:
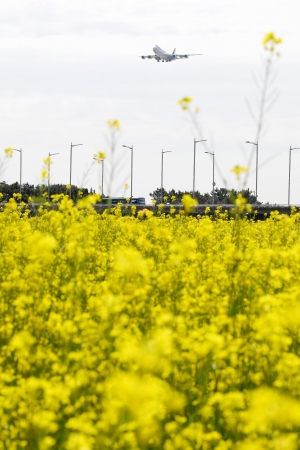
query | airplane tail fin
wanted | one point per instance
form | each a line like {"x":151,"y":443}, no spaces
{"x":174,"y":51}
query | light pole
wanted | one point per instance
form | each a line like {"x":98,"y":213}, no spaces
{"x":213,"y":155}
{"x":71,"y":150}
{"x":256,"y":170}
{"x":162,"y":172}
{"x":290,"y":160}
{"x":195,"y":142}
{"x":131,"y":171}
{"x":49,"y":154}
{"x":102,"y":160}
{"x":20,"y":151}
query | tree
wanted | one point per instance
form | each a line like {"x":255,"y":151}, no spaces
{"x":29,"y":190}
{"x":247,"y":194}
{"x":223,"y":196}
{"x":175,"y":196}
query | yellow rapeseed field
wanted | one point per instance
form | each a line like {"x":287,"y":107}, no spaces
{"x":144,"y":332}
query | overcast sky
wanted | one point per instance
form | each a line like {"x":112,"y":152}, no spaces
{"x":70,"y":65}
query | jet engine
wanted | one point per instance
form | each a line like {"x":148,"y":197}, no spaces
{"x":143,"y":57}
{"x":149,"y":57}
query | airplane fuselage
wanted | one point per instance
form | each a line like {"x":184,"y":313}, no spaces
{"x":162,"y":55}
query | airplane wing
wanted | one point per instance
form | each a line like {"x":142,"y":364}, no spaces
{"x":147,"y":57}
{"x":186,"y":56}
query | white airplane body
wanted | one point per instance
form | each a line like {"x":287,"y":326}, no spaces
{"x":163,"y":56}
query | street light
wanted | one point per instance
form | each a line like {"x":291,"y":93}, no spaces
{"x":71,"y":149}
{"x":49,"y":154}
{"x":20,"y":151}
{"x":162,"y":171}
{"x":131,"y":171}
{"x":256,"y":170}
{"x":195,"y":142}
{"x":289,"y":185}
{"x":213,"y":155}
{"x":102,"y":160}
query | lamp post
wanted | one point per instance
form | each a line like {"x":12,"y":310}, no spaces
{"x":49,"y":154}
{"x":290,"y":161}
{"x":20,"y":151}
{"x":195,"y":142}
{"x":213,"y":155}
{"x":102,"y":160}
{"x":71,"y":150}
{"x":131,"y":170}
{"x":256,"y":169}
{"x":162,"y":172}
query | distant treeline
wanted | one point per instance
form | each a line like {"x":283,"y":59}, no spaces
{"x":29,"y":190}
{"x":222,"y":196}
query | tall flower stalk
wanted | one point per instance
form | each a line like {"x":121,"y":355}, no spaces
{"x":268,"y":94}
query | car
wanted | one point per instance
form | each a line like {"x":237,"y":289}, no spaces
{"x":124,"y":201}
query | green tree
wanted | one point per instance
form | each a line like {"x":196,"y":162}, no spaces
{"x":223,"y":196}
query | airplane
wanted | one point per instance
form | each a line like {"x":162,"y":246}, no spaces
{"x":161,"y":55}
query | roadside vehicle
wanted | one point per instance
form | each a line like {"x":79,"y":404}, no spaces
{"x":124,"y":201}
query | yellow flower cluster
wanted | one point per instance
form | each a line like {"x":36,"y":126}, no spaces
{"x":270,"y":41}
{"x":114,"y":124}
{"x":99,"y":156}
{"x":47,"y":161}
{"x":44,"y":174}
{"x":184,"y":102}
{"x":238,"y":170}
{"x":148,"y":332}
{"x":9,"y":151}
{"x":188,"y":203}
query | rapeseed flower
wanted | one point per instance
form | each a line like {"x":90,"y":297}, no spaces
{"x":99,"y":156}
{"x":44,"y":174}
{"x":114,"y":124}
{"x":184,"y":102}
{"x":9,"y":152}
{"x":148,"y":332}
{"x":188,"y":203}
{"x":270,"y":40}
{"x":238,"y":170}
